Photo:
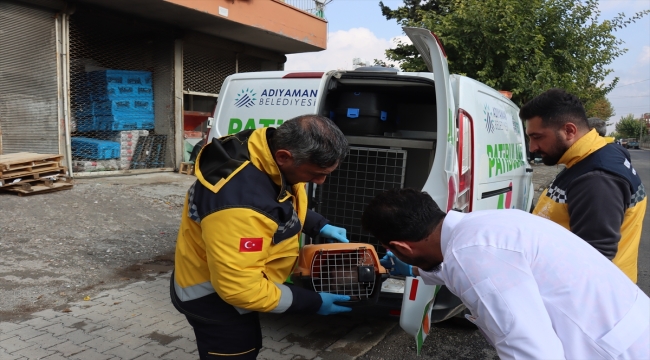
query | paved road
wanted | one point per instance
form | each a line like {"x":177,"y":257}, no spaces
{"x":641,"y":162}
{"x":458,"y":341}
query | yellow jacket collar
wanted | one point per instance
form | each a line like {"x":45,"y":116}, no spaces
{"x":261,"y":157}
{"x":582,"y":148}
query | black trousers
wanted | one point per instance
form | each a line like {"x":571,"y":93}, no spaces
{"x":221,"y":332}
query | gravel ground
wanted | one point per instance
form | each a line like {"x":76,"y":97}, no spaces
{"x":103,"y":233}
{"x":60,"y":247}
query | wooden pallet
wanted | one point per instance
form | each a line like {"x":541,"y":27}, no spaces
{"x":52,"y":167}
{"x":41,"y":186}
{"x":27,"y":161}
{"x":30,"y":177}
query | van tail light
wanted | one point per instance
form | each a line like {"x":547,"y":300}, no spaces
{"x":465,"y":161}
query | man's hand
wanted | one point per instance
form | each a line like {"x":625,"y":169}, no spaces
{"x":390,"y":261}
{"x":329,"y":307}
{"x":333,"y":232}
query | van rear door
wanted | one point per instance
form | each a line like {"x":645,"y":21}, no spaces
{"x":501,"y":178}
{"x":435,"y":58}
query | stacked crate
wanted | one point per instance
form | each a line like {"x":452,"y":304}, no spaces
{"x":117,"y":109}
{"x":118,"y":100}
{"x":116,"y":153}
{"x":128,"y":141}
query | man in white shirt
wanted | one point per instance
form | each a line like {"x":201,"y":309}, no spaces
{"x":536,"y":290}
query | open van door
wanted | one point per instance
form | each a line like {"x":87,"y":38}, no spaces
{"x":435,"y":58}
{"x":446,"y":305}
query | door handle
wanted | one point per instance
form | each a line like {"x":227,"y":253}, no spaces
{"x":529,"y":169}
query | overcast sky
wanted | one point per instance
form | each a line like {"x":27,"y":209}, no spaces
{"x":358,"y":30}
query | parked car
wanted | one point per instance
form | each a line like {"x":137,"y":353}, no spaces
{"x":451,"y":136}
{"x":632,"y":144}
{"x":624,"y":143}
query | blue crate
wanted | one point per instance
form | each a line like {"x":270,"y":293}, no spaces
{"x":94,"y":149}
{"x":85,"y":122}
{"x":124,"y":77}
{"x":122,"y":123}
{"x":129,"y":106}
{"x":121,"y":91}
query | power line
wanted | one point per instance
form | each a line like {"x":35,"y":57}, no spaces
{"x":631,"y":83}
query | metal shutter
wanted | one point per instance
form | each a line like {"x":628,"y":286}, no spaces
{"x":28,"y":80}
{"x":205,"y":69}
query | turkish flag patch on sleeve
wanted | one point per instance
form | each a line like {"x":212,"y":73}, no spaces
{"x":250,"y":244}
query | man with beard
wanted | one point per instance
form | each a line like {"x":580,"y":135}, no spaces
{"x":534,"y":289}
{"x":599,"y":196}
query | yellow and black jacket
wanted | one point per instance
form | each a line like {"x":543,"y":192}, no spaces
{"x":600,"y":198}
{"x":240,"y":230}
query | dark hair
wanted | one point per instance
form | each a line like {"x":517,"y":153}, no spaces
{"x":401,"y":214}
{"x":556,"y":107}
{"x":599,"y":124}
{"x":311,"y":138}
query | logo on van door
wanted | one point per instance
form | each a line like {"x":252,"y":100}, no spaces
{"x":245,"y":98}
{"x":495,"y":119}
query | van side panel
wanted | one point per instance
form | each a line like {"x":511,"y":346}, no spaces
{"x":499,"y":148}
{"x":249,"y":102}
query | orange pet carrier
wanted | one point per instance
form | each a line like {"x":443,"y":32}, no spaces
{"x":351,"y":269}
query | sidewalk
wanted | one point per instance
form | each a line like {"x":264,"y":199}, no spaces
{"x":139,"y":322}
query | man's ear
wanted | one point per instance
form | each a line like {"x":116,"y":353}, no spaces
{"x":402,"y":247}
{"x":570,"y":131}
{"x":283,"y":157}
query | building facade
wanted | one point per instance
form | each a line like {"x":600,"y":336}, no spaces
{"x":124,"y":86}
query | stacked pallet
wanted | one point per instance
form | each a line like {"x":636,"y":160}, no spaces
{"x":30,"y":173}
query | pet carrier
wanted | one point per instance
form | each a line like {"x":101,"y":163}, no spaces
{"x":345,"y":269}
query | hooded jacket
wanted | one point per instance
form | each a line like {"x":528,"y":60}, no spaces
{"x":600,"y":198}
{"x":240,"y":229}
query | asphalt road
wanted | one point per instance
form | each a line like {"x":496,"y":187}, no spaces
{"x":641,"y":162}
{"x":457,"y":340}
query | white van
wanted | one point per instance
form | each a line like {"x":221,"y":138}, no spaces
{"x":453,"y":137}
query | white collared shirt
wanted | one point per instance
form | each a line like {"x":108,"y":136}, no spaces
{"x":538,"y":291}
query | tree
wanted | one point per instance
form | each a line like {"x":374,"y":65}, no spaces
{"x":600,"y":108}
{"x":629,"y":127}
{"x":525,"y":47}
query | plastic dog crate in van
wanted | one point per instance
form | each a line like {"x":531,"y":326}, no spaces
{"x":363,"y":113}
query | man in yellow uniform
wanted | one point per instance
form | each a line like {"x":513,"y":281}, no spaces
{"x":599,"y":196}
{"x":601,"y":127}
{"x":240,"y":232}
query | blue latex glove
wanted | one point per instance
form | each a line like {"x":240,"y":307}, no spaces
{"x":329,"y":307}
{"x":333,"y":232}
{"x":395,"y":265}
